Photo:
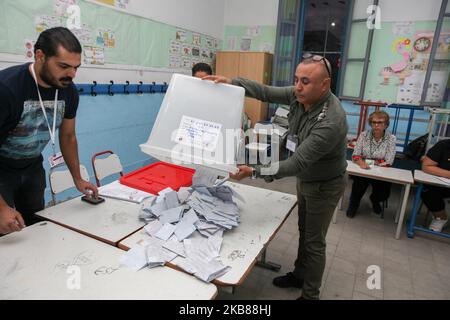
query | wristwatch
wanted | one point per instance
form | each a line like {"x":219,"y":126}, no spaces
{"x":254,"y":173}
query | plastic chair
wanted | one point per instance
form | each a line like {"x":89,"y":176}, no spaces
{"x":104,"y":167}
{"x":62,"y":180}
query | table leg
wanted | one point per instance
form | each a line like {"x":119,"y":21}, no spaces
{"x":267,"y":265}
{"x":415,"y":210}
{"x":399,"y":207}
{"x":402,"y":211}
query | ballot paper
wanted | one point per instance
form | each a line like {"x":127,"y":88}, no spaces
{"x":165,"y":232}
{"x":135,"y":258}
{"x":171,"y":215}
{"x":116,"y":190}
{"x":205,"y":176}
{"x":153,"y":227}
{"x":171,"y":199}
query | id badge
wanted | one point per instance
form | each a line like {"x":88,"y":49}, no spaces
{"x":55,"y":160}
{"x":291,"y":143}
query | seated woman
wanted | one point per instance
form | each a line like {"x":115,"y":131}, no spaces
{"x":437,"y":162}
{"x":377,"y":145}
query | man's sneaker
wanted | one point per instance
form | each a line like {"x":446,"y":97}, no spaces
{"x":287,"y":281}
{"x":437,"y":224}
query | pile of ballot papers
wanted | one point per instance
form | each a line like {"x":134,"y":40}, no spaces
{"x":187,"y":225}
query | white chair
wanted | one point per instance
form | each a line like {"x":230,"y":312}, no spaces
{"x":104,"y":167}
{"x":62,"y":180}
{"x":255,"y":146}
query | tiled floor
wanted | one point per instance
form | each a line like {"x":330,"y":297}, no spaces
{"x":416,"y":268}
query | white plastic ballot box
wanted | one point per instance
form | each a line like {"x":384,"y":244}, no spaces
{"x":199,"y":123}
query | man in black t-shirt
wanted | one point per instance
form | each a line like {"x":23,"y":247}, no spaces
{"x":437,"y":162}
{"x":35,"y":100}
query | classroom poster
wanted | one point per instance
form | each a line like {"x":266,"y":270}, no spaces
{"x":195,"y":51}
{"x":84,"y":34}
{"x":60,"y":7}
{"x":174,"y":47}
{"x":180,"y":35}
{"x":196,"y":39}
{"x":174,"y":61}
{"x":94,"y":55}
{"x":105,"y":38}
{"x":246,"y":44}
{"x":45,"y":22}
{"x":186,"y":50}
{"x":29,"y":48}
{"x":204,"y":53}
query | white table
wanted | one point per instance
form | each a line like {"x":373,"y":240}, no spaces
{"x":262,"y":214}
{"x":43,"y":261}
{"x":394,"y":175}
{"x":423,"y":178}
{"x":110,"y":221}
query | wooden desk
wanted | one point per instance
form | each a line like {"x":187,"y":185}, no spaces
{"x":37,"y":263}
{"x":262,"y":214}
{"x":423,"y":178}
{"x":394,"y":175}
{"x":110,"y":221}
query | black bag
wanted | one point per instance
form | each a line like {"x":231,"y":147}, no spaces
{"x":416,"y":148}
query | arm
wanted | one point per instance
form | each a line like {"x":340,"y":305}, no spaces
{"x":357,"y":156}
{"x":431,"y":167}
{"x":69,"y":149}
{"x":10,"y":219}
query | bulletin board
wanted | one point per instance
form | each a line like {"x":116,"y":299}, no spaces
{"x":399,"y":60}
{"x":108,"y":36}
{"x":250,"y":38}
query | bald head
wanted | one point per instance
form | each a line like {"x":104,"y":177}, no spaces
{"x":312,"y":82}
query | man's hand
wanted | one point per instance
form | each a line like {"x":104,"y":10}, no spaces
{"x":244,"y":172}
{"x":218,"y":79}
{"x":10,"y":220}
{"x":83,"y":186}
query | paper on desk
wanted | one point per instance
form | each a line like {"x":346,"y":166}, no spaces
{"x":116,"y":190}
{"x":165,"y":232}
{"x":184,"y":229}
{"x":153,"y":227}
{"x":171,"y":215}
{"x":190,"y":217}
{"x":176,"y":247}
{"x":183,"y":194}
{"x":156,"y":254}
{"x":135,"y":258}
{"x":171,"y":199}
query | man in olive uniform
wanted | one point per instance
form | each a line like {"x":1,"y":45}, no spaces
{"x":317,"y":138}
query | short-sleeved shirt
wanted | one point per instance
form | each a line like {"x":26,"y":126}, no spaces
{"x":440,"y":153}
{"x":24,"y":132}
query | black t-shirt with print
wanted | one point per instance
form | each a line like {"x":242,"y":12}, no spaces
{"x":23,"y":129}
{"x":440,"y":153}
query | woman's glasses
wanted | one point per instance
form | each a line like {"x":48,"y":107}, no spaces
{"x":317,"y":58}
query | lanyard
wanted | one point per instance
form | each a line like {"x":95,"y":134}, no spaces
{"x":55,"y":109}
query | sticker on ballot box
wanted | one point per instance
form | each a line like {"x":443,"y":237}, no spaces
{"x":198,"y":133}
{"x":55,"y":160}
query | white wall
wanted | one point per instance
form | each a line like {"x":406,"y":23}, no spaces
{"x":251,"y":12}
{"x":203,"y":16}
{"x":401,"y":10}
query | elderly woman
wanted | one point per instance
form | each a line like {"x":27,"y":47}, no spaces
{"x":375,"y":146}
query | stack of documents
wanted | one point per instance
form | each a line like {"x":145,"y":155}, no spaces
{"x":187,"y":225}
{"x":119,"y":191}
